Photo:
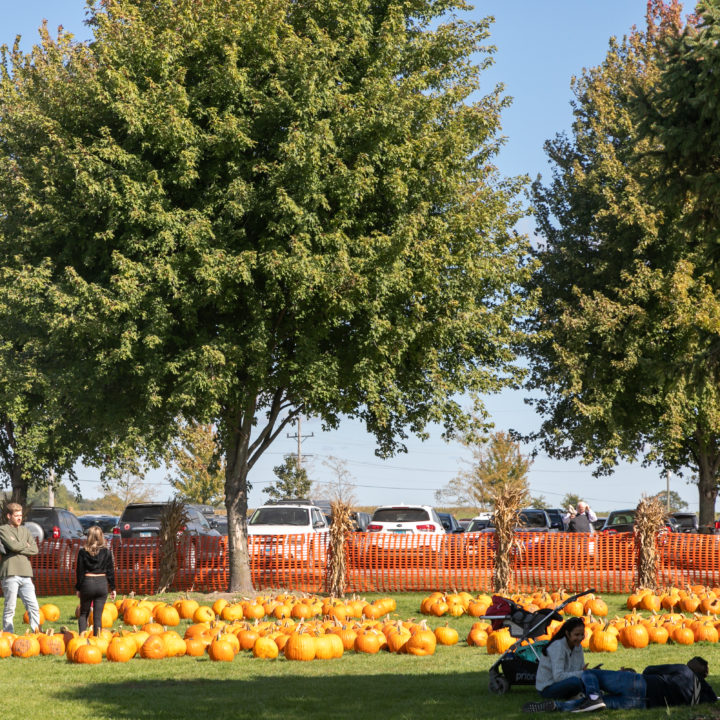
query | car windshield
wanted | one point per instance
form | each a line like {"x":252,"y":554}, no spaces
{"x":142,"y":513}
{"x":400,"y":515}
{"x":476,"y":525}
{"x":621,"y":519}
{"x":280,"y":516}
{"x":531,"y":519}
{"x":687,"y":521}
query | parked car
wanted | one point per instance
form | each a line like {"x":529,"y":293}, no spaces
{"x":58,"y":528}
{"x":465,"y":523}
{"x":220,"y":523}
{"x":533,"y":521}
{"x":55,"y":523}
{"x":619,"y":521}
{"x":687,"y":522}
{"x":479,"y":522}
{"x":292,"y":529}
{"x":556,"y":518}
{"x":381,"y":546}
{"x":361,"y":520}
{"x":450,"y":523}
{"x":141,"y":521}
{"x":107,"y":523}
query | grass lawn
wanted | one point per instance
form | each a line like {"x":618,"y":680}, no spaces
{"x":450,"y":684}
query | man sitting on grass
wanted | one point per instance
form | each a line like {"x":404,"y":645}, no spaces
{"x":657,"y":686}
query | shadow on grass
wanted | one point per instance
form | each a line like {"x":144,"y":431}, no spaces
{"x":292,"y":697}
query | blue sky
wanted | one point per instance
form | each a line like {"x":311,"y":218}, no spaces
{"x":541,"y":45}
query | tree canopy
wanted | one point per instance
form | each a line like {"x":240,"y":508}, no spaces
{"x":619,"y":345}
{"x":198,"y":470}
{"x":239,"y":211}
{"x":292,"y":481}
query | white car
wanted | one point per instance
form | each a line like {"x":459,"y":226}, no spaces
{"x":400,"y":532}
{"x":288,"y":530}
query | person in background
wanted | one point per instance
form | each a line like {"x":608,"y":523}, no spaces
{"x":95,"y":577}
{"x":584,"y":509}
{"x":16,"y":572}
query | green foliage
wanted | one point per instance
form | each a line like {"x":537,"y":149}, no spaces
{"x":238,"y":212}
{"x":570,"y":499}
{"x":677,"y":504}
{"x":65,"y":497}
{"x":497,"y":462}
{"x":199,"y":469}
{"x":621,"y":344}
{"x":292,"y":482}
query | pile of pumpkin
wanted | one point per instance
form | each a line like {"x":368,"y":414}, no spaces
{"x":456,"y":604}
{"x":631,"y":631}
{"x":221,"y":633}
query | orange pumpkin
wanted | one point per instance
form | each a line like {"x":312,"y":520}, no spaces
{"x":121,"y":649}
{"x":153,"y":648}
{"x":50,"y":612}
{"x":300,"y":646}
{"x":25,"y":646}
{"x":265,"y":648}
{"x":683,"y":636}
{"x":221,"y":650}
{"x":446,"y":635}
{"x":51,"y":644}
{"x":88,"y":654}
{"x":422,"y":642}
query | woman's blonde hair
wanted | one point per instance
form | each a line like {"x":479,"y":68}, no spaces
{"x":95,"y":539}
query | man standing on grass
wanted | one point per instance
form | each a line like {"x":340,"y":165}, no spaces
{"x":15,"y":569}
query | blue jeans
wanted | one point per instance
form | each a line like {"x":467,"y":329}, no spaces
{"x":622,"y":690}
{"x":563,"y":689}
{"x":13,"y":586}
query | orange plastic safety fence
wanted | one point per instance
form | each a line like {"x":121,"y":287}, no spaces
{"x":387,"y":562}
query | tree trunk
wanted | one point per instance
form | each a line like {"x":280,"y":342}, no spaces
{"x":707,"y":489}
{"x":236,"y":503}
{"x":19,"y":485}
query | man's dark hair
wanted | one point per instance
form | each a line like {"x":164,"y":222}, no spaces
{"x":699,"y":666}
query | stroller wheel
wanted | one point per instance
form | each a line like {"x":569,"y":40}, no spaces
{"x":498,"y":684}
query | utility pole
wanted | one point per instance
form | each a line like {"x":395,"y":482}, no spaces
{"x":299,"y":437}
{"x":51,"y":489}
{"x":667,"y":489}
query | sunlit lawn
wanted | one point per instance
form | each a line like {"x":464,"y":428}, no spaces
{"x":450,"y":684}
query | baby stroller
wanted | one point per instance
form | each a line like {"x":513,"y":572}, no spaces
{"x":518,"y":664}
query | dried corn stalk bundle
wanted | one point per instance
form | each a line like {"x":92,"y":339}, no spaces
{"x":507,"y":502}
{"x":649,"y":520}
{"x":172,"y":521}
{"x":342,"y":524}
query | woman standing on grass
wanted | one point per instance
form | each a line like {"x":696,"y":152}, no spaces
{"x":95,"y":578}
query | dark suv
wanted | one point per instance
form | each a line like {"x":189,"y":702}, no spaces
{"x":140,"y":522}
{"x":58,"y":528}
{"x":55,"y":523}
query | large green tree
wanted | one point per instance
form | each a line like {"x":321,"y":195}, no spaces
{"x":621,"y":349}
{"x":240,"y":211}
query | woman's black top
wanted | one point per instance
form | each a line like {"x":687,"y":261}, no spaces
{"x":100,"y":563}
